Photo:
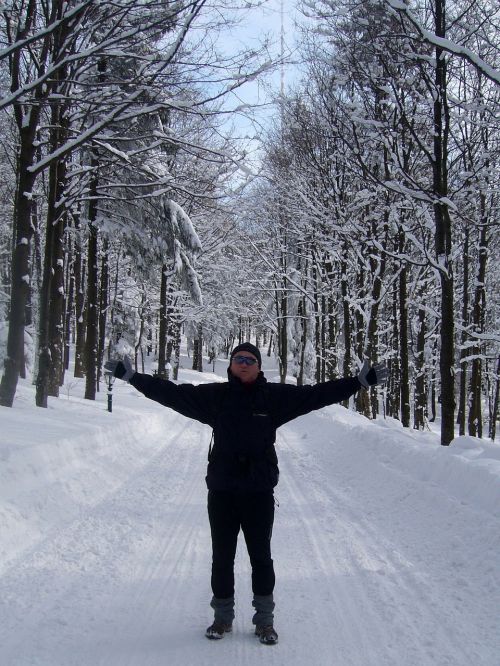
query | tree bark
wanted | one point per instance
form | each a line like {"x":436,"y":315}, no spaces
{"x":92,"y":323}
{"x":138,"y":347}
{"x":103,"y":306}
{"x":162,"y":335}
{"x":281,"y":304}
{"x":462,"y":400}
{"x":80,"y":309}
{"x":27,"y":119}
{"x":20,"y":287}
{"x":52,"y":298}
{"x":475,"y":410}
{"x":495,"y":406}
{"x":377,"y":266}
{"x":301,"y":312}
{"x":443,"y":232}
{"x":435,"y":363}
{"x":198,"y":349}
{"x":346,"y":327}
{"x":403,"y":332}
{"x":70,"y":305}
{"x":176,"y":350}
{"x":420,"y":388}
{"x":332,"y":358}
{"x":317,"y":322}
{"x":394,"y":392}
{"x":362,"y":399}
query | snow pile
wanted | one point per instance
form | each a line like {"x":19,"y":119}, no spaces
{"x":469,"y":469}
{"x":56,"y":463}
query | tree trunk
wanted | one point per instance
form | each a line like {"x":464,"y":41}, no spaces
{"x":270,"y":346}
{"x":362,"y":398}
{"x":433,"y":382}
{"x":443,"y":240}
{"x":52,"y":299}
{"x":377,"y":265}
{"x":394,"y":391}
{"x":478,"y":312}
{"x":317,"y":322}
{"x":332,"y":358}
{"x":198,"y":349}
{"x":462,"y":401}
{"x":176,"y":351}
{"x":92,"y":323}
{"x":27,"y":118}
{"x":70,"y":304}
{"x":35,"y":281}
{"x":420,"y":389}
{"x":346,"y":327}
{"x":495,"y":406}
{"x":301,"y":310}
{"x":20,"y":287}
{"x":323,"y":350}
{"x":171,"y":333}
{"x":103,"y":306}
{"x":403,"y":333}
{"x":80,"y":309}
{"x":52,"y":292}
{"x":138,"y":346}
{"x":281,"y":304}
{"x":162,"y":335}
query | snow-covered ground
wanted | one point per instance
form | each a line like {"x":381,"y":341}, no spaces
{"x":386,"y":545}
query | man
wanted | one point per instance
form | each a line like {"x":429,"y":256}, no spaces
{"x":242,"y":472}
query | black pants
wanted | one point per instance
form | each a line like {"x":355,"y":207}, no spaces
{"x":254,"y":514}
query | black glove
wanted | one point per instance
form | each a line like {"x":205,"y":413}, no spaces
{"x":121,"y":369}
{"x":370,"y":375}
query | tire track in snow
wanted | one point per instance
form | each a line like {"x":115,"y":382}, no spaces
{"x":383,"y":604}
{"x":74,"y":593}
{"x":330,"y":576}
{"x":178,"y":556}
{"x":128,"y":582}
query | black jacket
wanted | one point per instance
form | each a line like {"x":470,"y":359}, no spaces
{"x":244,"y":419}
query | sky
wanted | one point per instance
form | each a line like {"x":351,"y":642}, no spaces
{"x":258,"y":24}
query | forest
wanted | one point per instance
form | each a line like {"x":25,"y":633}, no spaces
{"x":133,"y":213}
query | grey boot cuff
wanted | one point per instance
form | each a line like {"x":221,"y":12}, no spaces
{"x":223,"y":609}
{"x":264,"y":607}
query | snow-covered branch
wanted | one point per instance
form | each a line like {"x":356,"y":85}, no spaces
{"x":445,"y":44}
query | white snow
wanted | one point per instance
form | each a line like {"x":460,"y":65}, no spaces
{"x":386,"y":545}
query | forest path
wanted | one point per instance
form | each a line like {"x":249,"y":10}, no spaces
{"x":371,"y":568}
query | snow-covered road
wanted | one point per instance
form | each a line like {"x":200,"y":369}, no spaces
{"x":380,"y":561}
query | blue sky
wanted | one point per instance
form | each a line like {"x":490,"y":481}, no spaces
{"x":257,"y":24}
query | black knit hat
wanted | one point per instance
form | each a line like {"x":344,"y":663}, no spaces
{"x":248,"y":347}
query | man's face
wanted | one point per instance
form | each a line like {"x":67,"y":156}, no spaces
{"x":245,"y":373}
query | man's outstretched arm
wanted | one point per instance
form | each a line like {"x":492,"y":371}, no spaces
{"x":195,"y":402}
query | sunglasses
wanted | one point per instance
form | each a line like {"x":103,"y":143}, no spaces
{"x":240,"y":360}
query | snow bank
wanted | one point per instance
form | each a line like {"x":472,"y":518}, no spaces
{"x":468,"y":469}
{"x":55,"y":462}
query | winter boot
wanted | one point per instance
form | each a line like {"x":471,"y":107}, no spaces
{"x":223,"y":618}
{"x":267,"y":635}
{"x":264,"y":618}
{"x":217,"y":630}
